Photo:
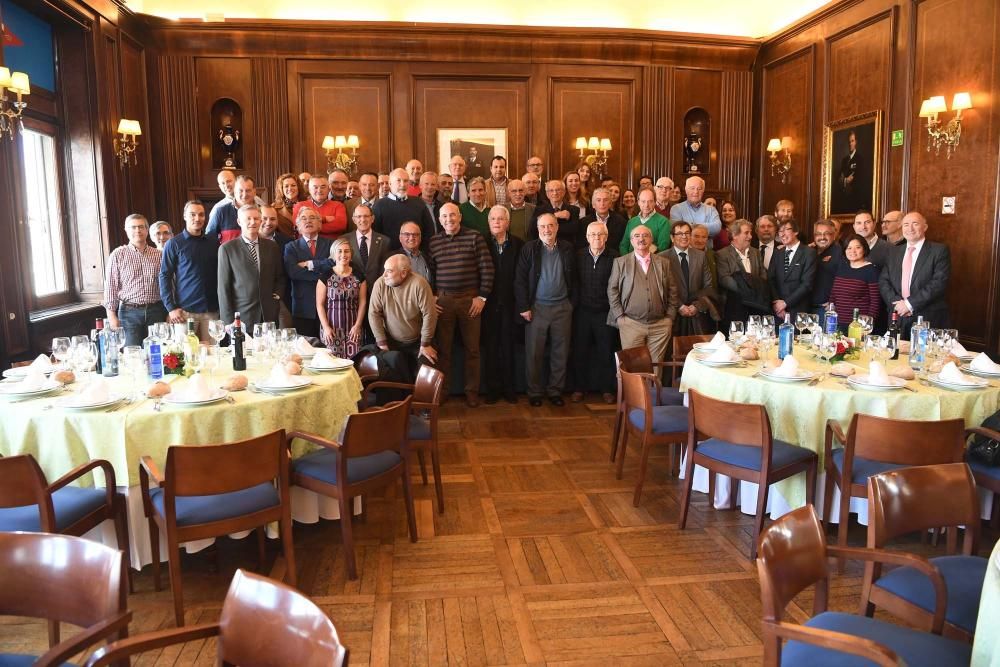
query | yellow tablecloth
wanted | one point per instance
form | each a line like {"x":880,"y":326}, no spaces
{"x":986,"y":647}
{"x":798,"y":412}
{"x":63,"y":439}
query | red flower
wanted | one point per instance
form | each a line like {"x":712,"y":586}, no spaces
{"x":841,"y":348}
{"x":170,"y":361}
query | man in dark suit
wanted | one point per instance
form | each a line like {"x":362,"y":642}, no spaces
{"x":742,"y":277}
{"x":764,"y":242}
{"x":878,"y":249}
{"x":554,"y":203}
{"x":915,"y":278}
{"x":396,"y":208}
{"x":791,"y":274}
{"x":594,"y":341}
{"x":251,"y":276}
{"x":369,"y":249}
{"x":368,"y":183}
{"x":697,"y":313}
{"x":307,"y":261}
{"x":613,"y":220}
{"x":499,"y":318}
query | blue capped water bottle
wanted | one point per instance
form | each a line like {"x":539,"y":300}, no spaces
{"x":786,"y":336}
{"x":830,"y":323}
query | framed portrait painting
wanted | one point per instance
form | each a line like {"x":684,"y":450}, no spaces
{"x":852,"y":166}
{"x":477,"y":145}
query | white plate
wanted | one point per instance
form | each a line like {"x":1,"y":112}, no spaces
{"x":861,"y":382}
{"x":12,"y":391}
{"x":977,"y":383}
{"x":300,"y":382}
{"x":706,"y":346}
{"x":803,"y":376}
{"x":703,"y":358}
{"x":982,"y":374}
{"x":340,"y":364}
{"x":67,"y":403}
{"x":22,"y":371}
{"x":180,"y":400}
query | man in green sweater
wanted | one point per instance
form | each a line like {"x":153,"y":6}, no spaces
{"x":475,"y":212}
{"x":658,"y":225}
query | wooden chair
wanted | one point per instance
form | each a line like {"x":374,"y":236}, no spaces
{"x":681,"y":347}
{"x":734,"y":439}
{"x":214,"y":490}
{"x":916,"y":499}
{"x":793,"y":556}
{"x":263,"y":622}
{"x":373,"y":454}
{"x":29,"y":503}
{"x":639,"y":360}
{"x":63,"y":579}
{"x":986,"y":476}
{"x":422,"y":430}
{"x":877,"y":444}
{"x":652,"y":424}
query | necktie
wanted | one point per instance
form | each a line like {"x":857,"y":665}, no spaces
{"x":685,"y":269}
{"x":312,"y":247}
{"x":252,"y":247}
{"x":763,"y":255}
{"x":456,"y":193}
{"x":904,"y":284}
{"x":788,"y":260}
{"x":363,"y":250}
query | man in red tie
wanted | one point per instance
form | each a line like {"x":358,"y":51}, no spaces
{"x":914,"y":281}
{"x":307,"y":260}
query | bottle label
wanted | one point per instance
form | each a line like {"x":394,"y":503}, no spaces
{"x":785,"y":338}
{"x":155,"y":361}
{"x":831,"y":323}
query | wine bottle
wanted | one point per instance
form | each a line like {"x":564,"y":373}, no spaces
{"x":854,"y":330}
{"x":192,"y":348}
{"x":893,"y":333}
{"x":95,"y":338}
{"x":239,"y":359}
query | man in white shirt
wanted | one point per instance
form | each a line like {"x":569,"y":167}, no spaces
{"x":915,"y":278}
{"x":766,"y":228}
{"x":459,"y":188}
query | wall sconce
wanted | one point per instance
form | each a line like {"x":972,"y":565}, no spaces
{"x":346,"y":161}
{"x":10,"y":111}
{"x":598,"y":159}
{"x":126,"y":143}
{"x":780,"y":165}
{"x":949,"y":133}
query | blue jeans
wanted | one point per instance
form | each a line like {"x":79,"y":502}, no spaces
{"x":135,"y":320}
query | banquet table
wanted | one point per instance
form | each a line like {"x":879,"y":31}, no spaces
{"x":61,"y":439}
{"x":798,"y":413}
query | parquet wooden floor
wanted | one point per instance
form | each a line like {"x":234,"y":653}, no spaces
{"x":539,"y":558}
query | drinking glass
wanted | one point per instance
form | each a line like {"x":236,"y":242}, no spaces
{"x":735,"y":332}
{"x":133,"y":367}
{"x":801,"y":323}
{"x":767,"y":325}
{"x":813,"y":322}
{"x":764,"y":344}
{"x":60,"y":350}
{"x":195,"y":361}
{"x":887,"y":347}
{"x":873,"y":345}
{"x":867,"y":323}
{"x":84,"y":356}
{"x":217,"y":331}
{"x":828,"y":347}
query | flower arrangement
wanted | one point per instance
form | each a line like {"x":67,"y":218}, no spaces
{"x":846,"y":350}
{"x":173,"y":363}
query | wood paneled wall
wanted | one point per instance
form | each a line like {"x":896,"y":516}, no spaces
{"x":889,"y":55}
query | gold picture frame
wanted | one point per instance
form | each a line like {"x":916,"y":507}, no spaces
{"x":852,"y":180}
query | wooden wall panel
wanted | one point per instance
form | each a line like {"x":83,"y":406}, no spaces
{"x":695,"y":88}
{"x":734,"y":131}
{"x":270,"y":153}
{"x":232,"y":78}
{"x":138,"y":177}
{"x":657,"y":123}
{"x":591,"y":108}
{"x":175,"y":111}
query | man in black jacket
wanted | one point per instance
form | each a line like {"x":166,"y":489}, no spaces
{"x":544,"y":289}
{"x":593,"y":340}
{"x":792,"y":273}
{"x":499,"y":323}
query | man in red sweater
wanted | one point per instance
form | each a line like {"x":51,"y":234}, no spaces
{"x":333,"y":212}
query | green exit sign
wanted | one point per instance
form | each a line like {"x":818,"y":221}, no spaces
{"x":897,"y":138}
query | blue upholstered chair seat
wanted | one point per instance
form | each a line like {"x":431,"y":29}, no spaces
{"x":671,"y":396}
{"x":666,"y":419}
{"x":913,"y":646}
{"x":419,"y":428}
{"x":863,"y":468}
{"x":782,"y":453}
{"x":322,"y":465}
{"x":963,"y":577}
{"x":71,"y":503}
{"x":16,"y":660}
{"x":978,"y":468}
{"x":193,"y":510}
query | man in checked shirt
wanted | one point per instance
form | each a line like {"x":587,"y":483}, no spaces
{"x":131,"y":287}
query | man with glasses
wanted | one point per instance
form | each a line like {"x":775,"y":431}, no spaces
{"x":131,"y":287}
{"x":594,"y":342}
{"x":536,"y":166}
{"x":792,"y":273}
{"x":664,"y":186}
{"x":697,"y":313}
{"x":410,"y":240}
{"x":829,"y":254}
{"x":892,"y":227}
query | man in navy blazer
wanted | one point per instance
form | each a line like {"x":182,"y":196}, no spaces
{"x":915,"y":278}
{"x":792,"y":273}
{"x":307,"y":261}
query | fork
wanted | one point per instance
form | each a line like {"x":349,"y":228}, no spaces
{"x":816,"y":380}
{"x":158,"y":405}
{"x":119,"y":404}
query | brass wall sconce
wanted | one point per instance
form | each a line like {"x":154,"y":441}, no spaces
{"x":126,"y":143}
{"x":11,"y":110}
{"x":598,"y":158}
{"x":780,"y":164}
{"x":337,"y":155}
{"x":938,"y":132}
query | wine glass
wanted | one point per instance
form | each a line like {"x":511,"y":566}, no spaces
{"x":735,"y":332}
{"x":195,"y":361}
{"x":767,"y":325}
{"x":887,"y":347}
{"x":827,"y":347}
{"x":802,"y":322}
{"x":60,"y":350}
{"x":133,"y":367}
{"x":867,"y":323}
{"x":874,"y":346}
{"x":764,"y":344}
{"x":217,"y":331}
{"x":84,"y":356}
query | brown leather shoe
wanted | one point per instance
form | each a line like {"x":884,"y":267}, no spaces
{"x":576,"y":397}
{"x":608,"y":398}
{"x":472,"y":400}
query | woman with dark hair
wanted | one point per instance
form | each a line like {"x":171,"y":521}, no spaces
{"x":588,"y":182}
{"x":728,"y":215}
{"x":575,"y":196}
{"x":616,"y":196}
{"x":855,"y":284}
{"x":286,"y":195}
{"x":629,"y":205}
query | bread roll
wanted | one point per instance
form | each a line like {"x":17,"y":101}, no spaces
{"x":843,"y":369}
{"x":772,"y":363}
{"x":297,"y":358}
{"x":235,"y":383}
{"x":293,"y":368}
{"x":65,"y":377}
{"x":904,"y":372}
{"x":158,"y":390}
{"x":748,"y":353}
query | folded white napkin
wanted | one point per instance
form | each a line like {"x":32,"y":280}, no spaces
{"x":718,"y":340}
{"x":958,"y":349}
{"x":950,"y":373}
{"x":984,"y":363}
{"x":279,"y":377}
{"x":877,"y":374}
{"x":42,"y":363}
{"x":723,"y":353}
{"x":197,"y":389}
{"x":34,"y":379}
{"x":789,"y":367}
{"x":97,"y":390}
{"x":323,"y":359}
{"x":302,"y":347}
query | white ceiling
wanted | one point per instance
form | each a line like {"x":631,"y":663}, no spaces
{"x":742,"y":18}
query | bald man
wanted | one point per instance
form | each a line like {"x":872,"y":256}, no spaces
{"x":693,"y":210}
{"x":398,"y":207}
{"x":402,"y":315}
{"x":892,"y":227}
{"x":915,"y":278}
{"x":414,"y":169}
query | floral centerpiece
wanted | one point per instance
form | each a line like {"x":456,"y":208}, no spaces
{"x":173,"y":363}
{"x":846,"y":350}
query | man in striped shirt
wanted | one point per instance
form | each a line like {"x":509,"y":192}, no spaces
{"x":463,"y":281}
{"x":131,"y":285}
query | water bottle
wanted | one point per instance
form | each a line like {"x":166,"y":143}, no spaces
{"x":830,"y":324}
{"x":786,"y":336}
{"x":154,"y":354}
{"x":919,"y":334}
{"x":109,"y":351}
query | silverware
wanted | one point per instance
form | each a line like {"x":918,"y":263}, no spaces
{"x":816,"y":380}
{"x":158,"y":405}
{"x":230,"y":400}
{"x":909,"y":388}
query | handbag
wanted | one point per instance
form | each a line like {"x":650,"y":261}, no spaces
{"x":987,"y":450}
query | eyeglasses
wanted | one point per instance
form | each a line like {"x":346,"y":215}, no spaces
{"x":534,"y":164}
{"x":681,"y":234}
{"x":410,"y":235}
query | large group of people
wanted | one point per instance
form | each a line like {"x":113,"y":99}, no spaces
{"x":575,"y":267}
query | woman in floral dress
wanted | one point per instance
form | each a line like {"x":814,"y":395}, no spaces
{"x":341,"y":303}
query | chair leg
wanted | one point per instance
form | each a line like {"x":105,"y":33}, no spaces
{"x":827,"y":499}
{"x":616,"y":433}
{"x":288,"y":548}
{"x":53,"y":627}
{"x":261,"y":548}
{"x":154,"y":546}
{"x":347,"y":536}
{"x":688,"y":474}
{"x":711,"y":488}
{"x":423,"y":466}
{"x":758,"y":520}
{"x":411,"y":515}
{"x":622,"y":446}
{"x":995,"y":514}
{"x":174,"y":567}
{"x":121,"y":533}
{"x":643,"y":461}
{"x":734,"y":493}
{"x":845,"y":517}
{"x":811,"y":484}
{"x":438,"y":484}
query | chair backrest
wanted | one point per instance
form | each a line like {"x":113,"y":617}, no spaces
{"x":635,"y":359}
{"x":22,"y":482}
{"x":682,"y":345}
{"x":637,"y":394}
{"x":377,"y":429}
{"x":907,"y":442}
{"x":738,"y":423}
{"x":429,"y":385}
{"x":791,"y":557}
{"x":910,"y":499}
{"x":265,"y":622}
{"x":367,"y":366}
{"x":59,"y":577}
{"x":203,"y":470}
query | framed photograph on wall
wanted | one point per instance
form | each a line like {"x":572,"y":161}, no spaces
{"x":852,"y":166}
{"x":476,"y":144}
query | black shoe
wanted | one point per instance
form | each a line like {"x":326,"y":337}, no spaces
{"x":557,"y":401}
{"x":536,"y":401}
{"x":510,"y":398}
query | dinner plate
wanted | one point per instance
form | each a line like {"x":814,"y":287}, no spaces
{"x":12,"y":391}
{"x":982,"y":374}
{"x":299,"y":383}
{"x":803,"y":376}
{"x":339,"y":365}
{"x":180,"y":400}
{"x":861,"y":382}
{"x":706,"y":346}
{"x":703,"y":358}
{"x":68,"y":402}
{"x":22,"y":371}
{"x":977,"y":383}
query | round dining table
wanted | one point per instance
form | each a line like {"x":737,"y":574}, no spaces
{"x":799,"y":411}
{"x":61,"y":438}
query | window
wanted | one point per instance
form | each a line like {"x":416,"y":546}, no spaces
{"x":43,"y":213}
